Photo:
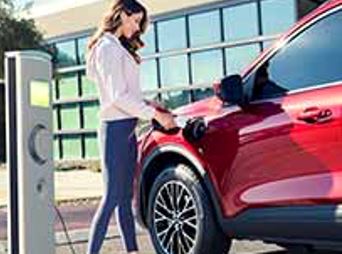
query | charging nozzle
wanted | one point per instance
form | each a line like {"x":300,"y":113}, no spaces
{"x":193,"y":129}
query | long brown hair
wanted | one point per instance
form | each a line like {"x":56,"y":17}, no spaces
{"x":112,"y":21}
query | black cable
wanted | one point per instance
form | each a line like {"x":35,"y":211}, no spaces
{"x":69,"y":242}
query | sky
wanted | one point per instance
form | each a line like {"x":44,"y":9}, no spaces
{"x":44,"y":7}
{"x":23,"y":2}
{"x":20,"y":2}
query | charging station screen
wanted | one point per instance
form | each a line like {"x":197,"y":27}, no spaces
{"x":39,"y":93}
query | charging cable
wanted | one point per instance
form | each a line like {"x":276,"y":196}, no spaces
{"x":65,"y":229}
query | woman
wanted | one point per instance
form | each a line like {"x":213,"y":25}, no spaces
{"x":113,"y":64}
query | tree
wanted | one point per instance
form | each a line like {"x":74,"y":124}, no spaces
{"x":6,"y":4}
{"x":17,"y":33}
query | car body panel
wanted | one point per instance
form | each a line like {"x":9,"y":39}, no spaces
{"x":278,"y":148}
{"x":263,"y":155}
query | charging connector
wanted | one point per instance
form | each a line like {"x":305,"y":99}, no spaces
{"x":193,"y":129}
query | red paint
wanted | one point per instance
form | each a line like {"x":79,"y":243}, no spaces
{"x":266,"y":154}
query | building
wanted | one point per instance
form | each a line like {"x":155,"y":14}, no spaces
{"x":190,"y":43}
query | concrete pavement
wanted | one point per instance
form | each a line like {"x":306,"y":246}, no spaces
{"x":69,"y":185}
{"x":87,"y":185}
{"x":78,"y":191}
{"x":113,"y":245}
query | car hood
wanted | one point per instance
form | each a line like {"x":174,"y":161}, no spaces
{"x":206,"y":107}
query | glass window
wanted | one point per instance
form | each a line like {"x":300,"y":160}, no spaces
{"x":148,"y":75}
{"x":174,"y":71}
{"x":202,"y":93}
{"x":66,"y":53}
{"x":82,"y":49}
{"x":91,"y":146}
{"x":312,"y":58}
{"x":55,"y":119}
{"x":70,"y":115}
{"x":205,"y":28}
{"x":90,"y":115}
{"x":56,"y":155}
{"x":171,"y":34}
{"x":240,"y":22}
{"x":71,"y":145}
{"x":68,"y":86}
{"x":277,"y":15}
{"x":239,"y":57}
{"x":88,"y":87}
{"x":149,"y":40}
{"x":176,"y":99}
{"x":207,"y":66}
{"x":53,"y":88}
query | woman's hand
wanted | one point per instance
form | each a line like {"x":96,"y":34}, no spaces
{"x":165,"y":119}
{"x":157,"y":106}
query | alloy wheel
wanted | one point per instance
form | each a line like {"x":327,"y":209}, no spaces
{"x":175,"y":218}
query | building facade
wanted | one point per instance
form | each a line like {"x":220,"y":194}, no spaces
{"x":189,"y":45}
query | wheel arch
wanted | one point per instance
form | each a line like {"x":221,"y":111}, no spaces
{"x":172,"y":155}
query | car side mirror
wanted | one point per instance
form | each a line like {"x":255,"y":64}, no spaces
{"x":230,"y":90}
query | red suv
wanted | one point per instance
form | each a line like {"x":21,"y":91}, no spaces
{"x":262,"y":159}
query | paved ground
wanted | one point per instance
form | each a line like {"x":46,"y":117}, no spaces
{"x":113,"y":246}
{"x":84,"y":184}
{"x":239,"y":247}
{"x":69,"y":185}
{"x":3,"y":187}
{"x":78,"y":217}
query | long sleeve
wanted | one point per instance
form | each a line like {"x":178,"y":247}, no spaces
{"x":115,"y":79}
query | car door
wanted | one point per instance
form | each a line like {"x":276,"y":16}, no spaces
{"x":290,"y":138}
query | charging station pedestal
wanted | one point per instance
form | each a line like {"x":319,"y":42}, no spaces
{"x":29,"y":153}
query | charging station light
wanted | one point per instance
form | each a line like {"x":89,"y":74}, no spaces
{"x":39,"y":93}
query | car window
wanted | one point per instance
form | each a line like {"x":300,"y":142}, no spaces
{"x":312,"y":58}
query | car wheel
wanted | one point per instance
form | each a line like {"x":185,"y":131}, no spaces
{"x":180,"y":216}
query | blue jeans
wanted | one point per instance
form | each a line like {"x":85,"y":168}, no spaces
{"x":118,"y":150}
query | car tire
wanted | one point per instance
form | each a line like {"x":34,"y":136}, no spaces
{"x":181,"y":219}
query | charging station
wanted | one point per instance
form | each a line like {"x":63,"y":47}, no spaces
{"x":29,"y":153}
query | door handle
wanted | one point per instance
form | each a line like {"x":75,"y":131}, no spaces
{"x":314,"y":115}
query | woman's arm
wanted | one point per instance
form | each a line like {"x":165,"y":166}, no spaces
{"x":110,"y":65}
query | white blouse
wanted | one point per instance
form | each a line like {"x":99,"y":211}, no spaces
{"x":116,"y":75}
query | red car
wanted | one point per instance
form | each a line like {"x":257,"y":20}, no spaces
{"x":262,"y":159}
